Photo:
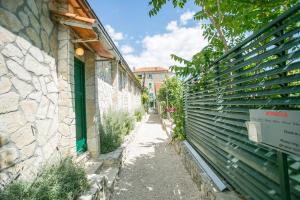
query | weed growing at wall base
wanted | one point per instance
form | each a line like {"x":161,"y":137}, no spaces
{"x":61,"y":181}
{"x":139,"y":114}
{"x":115,"y":125}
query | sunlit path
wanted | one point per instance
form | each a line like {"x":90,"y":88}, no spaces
{"x":152,"y":169}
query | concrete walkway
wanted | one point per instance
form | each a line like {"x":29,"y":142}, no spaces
{"x":152,"y":170}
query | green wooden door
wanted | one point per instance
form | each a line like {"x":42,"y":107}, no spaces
{"x":80,"y":106}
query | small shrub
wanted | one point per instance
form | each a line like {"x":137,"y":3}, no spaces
{"x":115,"y":126}
{"x":129,"y":123}
{"x":139,"y":114}
{"x":61,"y":181}
{"x":14,"y":191}
{"x":64,"y":180}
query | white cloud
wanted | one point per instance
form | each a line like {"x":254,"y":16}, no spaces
{"x":185,"y":17}
{"x":116,"y":36}
{"x":126,"y":49}
{"x":179,"y":40}
{"x":172,"y":26}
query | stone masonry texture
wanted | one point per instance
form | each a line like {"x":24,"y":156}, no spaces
{"x":37,"y":98}
{"x":28,"y":88}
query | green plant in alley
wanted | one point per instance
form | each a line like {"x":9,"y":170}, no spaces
{"x":115,"y":125}
{"x":129,"y":122}
{"x":15,"y":191}
{"x":138,"y":113}
{"x":170,"y":95}
{"x":145,"y":99}
{"x":63,"y":180}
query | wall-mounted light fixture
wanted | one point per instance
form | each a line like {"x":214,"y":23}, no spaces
{"x":79,"y":51}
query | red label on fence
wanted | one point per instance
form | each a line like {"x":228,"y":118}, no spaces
{"x":171,"y":110}
{"x":276,"y":114}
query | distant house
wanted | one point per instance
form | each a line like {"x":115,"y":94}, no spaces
{"x":59,"y":72}
{"x":152,"y":78}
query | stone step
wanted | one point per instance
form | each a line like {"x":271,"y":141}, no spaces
{"x":82,"y":158}
{"x":97,"y":188}
{"x":112,"y":159}
{"x":93,"y":167}
{"x":111,"y":174}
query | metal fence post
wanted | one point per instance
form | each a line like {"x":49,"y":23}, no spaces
{"x":282,"y":157}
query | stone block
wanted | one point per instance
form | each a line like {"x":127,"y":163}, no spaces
{"x":31,"y":64}
{"x":45,"y":41}
{"x":6,"y":36}
{"x":23,"y":136}
{"x":12,"y":121}
{"x":5,"y":85}
{"x":28,"y":150}
{"x":3,"y":68}
{"x":29,"y":108}
{"x":36,"y":96}
{"x":36,"y":83}
{"x":23,"y":88}
{"x":64,"y":129}
{"x":33,"y":35}
{"x":51,"y":87}
{"x":43,"y":127}
{"x":48,"y":150}
{"x":226,"y":196}
{"x":3,"y":139}
{"x":9,"y":102}
{"x":23,"y":44}
{"x":112,"y":159}
{"x":8,"y":157}
{"x":53,"y":127}
{"x":43,"y":85}
{"x":34,"y":22}
{"x":92,"y":167}
{"x":11,"y":22}
{"x":53,"y":98}
{"x":13,"y":52}
{"x":11,"y":5}
{"x":47,"y":24}
{"x":43,"y":108}
{"x":19,"y":71}
{"x":31,"y":4}
{"x":111,"y":174}
{"x":24,"y":18}
{"x":36,"y":53}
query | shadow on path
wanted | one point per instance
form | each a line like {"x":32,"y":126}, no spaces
{"x":152,"y":169}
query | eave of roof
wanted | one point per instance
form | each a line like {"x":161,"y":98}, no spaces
{"x":110,"y":41}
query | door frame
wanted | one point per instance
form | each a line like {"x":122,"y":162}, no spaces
{"x":81,"y":126}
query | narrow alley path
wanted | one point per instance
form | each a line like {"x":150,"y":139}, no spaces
{"x":152,"y":170}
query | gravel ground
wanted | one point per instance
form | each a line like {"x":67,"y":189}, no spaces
{"x":152,"y":169}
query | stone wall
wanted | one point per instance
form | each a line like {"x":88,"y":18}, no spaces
{"x":105,"y":86}
{"x":93,"y":138}
{"x":66,"y":98}
{"x":28,"y":88}
{"x":37,"y":98}
{"x":30,"y":20}
{"x":110,"y":95}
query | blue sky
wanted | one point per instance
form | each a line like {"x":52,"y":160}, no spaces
{"x":146,"y":41}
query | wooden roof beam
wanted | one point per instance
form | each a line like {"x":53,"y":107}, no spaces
{"x":71,"y":16}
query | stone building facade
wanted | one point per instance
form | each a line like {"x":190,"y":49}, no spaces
{"x":39,"y":95}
